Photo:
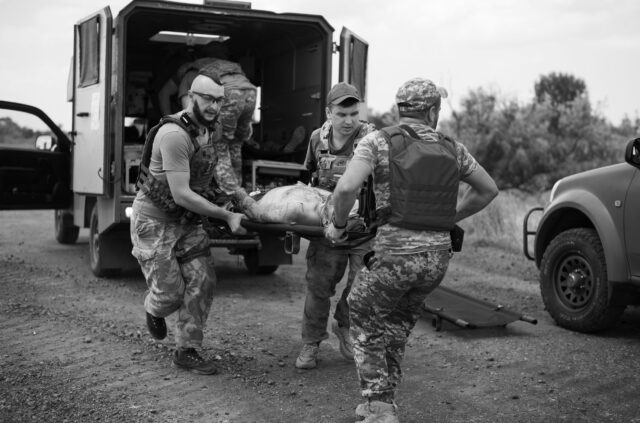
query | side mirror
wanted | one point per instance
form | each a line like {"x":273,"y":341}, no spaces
{"x":632,"y":153}
{"x":44,"y":142}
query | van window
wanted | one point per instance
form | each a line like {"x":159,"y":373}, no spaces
{"x":89,"y":49}
{"x":357,"y":68}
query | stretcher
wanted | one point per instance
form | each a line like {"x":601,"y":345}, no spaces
{"x":293,"y":233}
{"x":467,"y":312}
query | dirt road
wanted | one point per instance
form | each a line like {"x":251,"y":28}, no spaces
{"x":75,"y":349}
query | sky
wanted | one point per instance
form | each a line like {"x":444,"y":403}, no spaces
{"x":499,"y":45}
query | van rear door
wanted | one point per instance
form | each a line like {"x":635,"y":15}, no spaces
{"x":354,"y":52}
{"x":91,"y":101}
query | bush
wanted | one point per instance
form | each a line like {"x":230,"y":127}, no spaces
{"x":500,"y":223}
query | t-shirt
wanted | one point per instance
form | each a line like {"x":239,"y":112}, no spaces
{"x":373,"y":150}
{"x":172,"y":151}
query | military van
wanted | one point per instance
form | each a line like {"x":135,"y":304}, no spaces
{"x":118,"y":66}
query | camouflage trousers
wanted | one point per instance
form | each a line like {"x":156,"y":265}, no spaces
{"x":385,"y":303}
{"x":325,"y":268}
{"x":236,"y":116}
{"x":177,"y":265}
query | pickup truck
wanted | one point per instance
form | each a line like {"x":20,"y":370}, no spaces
{"x":587,"y":245}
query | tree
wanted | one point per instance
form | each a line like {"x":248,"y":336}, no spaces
{"x":559,"y":88}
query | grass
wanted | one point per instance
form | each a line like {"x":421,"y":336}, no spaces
{"x":500,"y":223}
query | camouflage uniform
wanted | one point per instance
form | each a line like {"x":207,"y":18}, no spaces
{"x":326,"y":265}
{"x":237,"y":110}
{"x":387,"y":297}
{"x":174,"y":256}
{"x":178,"y":267}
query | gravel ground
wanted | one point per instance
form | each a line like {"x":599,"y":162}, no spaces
{"x":75,"y":349}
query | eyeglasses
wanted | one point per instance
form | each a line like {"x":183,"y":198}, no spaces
{"x":209,"y":98}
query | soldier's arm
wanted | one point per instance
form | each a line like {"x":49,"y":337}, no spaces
{"x":482,"y":190}
{"x":185,"y":197}
{"x":347,"y":189}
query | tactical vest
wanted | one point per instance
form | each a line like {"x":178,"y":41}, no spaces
{"x":424,"y":180}
{"x":201,"y":167}
{"x":330,"y":166}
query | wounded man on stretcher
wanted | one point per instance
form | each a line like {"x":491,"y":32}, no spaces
{"x":299,"y":208}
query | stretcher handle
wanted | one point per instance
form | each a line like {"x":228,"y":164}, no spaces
{"x":283,"y":227}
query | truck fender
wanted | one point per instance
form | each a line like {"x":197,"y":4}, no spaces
{"x":580,"y":208}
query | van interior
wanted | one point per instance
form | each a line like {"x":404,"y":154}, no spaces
{"x":287,"y":56}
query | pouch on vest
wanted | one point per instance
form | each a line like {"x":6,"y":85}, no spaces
{"x":424,"y":180}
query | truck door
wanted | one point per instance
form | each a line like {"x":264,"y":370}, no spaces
{"x":91,"y":101}
{"x":632,"y":224}
{"x":34,"y":160}
{"x":353,"y":63}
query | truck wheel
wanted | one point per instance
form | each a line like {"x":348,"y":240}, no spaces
{"x":574,"y":284}
{"x":66,"y":231}
{"x":97,"y":248}
{"x":251,"y":261}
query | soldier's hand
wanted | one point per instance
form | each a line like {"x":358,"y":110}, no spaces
{"x":234,"y":221}
{"x":335,"y":235}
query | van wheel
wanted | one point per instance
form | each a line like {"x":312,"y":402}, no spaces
{"x":251,"y":261}
{"x":574,"y":284}
{"x":66,"y":231}
{"x":97,"y":248}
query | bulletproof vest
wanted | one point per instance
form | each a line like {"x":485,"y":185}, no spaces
{"x":424,"y":180}
{"x":330,"y":166}
{"x":201,"y":167}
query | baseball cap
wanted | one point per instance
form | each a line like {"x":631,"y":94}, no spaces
{"x":417,"y":94}
{"x":342,"y":91}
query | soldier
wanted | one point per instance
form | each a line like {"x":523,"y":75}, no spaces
{"x":179,"y":162}
{"x":416,"y":172}
{"x":330,"y":148}
{"x":237,"y":110}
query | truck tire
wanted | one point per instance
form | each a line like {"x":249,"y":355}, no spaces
{"x":97,"y":248}
{"x":251,"y":261}
{"x":573,"y":282}
{"x":66,"y":231}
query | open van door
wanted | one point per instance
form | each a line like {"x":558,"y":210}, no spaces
{"x":353,"y":63}
{"x":91,"y":101}
{"x":35,"y":171}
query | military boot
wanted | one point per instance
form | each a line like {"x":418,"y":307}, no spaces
{"x":157,"y":326}
{"x":377,"y":412}
{"x":189,"y":359}
{"x":308,"y":357}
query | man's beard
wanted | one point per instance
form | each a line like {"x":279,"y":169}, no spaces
{"x":202,"y":120}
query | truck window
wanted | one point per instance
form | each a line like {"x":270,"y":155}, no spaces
{"x":24,"y":131}
{"x":89,"y":42}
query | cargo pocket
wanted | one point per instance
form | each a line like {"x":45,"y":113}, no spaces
{"x":143,"y":238}
{"x":146,"y":260}
{"x":143,"y":254}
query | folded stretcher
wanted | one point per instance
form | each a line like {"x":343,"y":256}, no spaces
{"x":468,"y":312}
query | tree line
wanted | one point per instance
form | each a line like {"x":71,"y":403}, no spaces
{"x":13,"y":134}
{"x":531,"y":145}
